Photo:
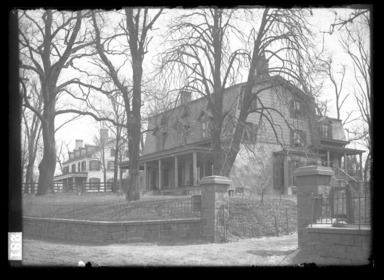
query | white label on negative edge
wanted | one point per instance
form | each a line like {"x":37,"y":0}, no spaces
{"x":14,"y":246}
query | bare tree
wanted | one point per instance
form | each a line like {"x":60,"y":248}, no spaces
{"x":136,"y":26}
{"x":202,"y":55}
{"x":337,"y":83}
{"x":118,"y":114}
{"x":356,"y":44}
{"x":32,"y":130}
{"x":50,"y":41}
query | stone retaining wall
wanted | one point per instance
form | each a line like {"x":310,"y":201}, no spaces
{"x":327,"y":245}
{"x":110,"y":232}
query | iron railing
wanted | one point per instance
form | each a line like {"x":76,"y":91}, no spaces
{"x":342,"y":207}
{"x":179,"y":191}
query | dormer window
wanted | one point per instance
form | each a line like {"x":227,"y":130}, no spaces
{"x":326,"y":131}
{"x":206,"y":131}
{"x":298,"y":138}
{"x":253,"y":105}
{"x":296,"y":108}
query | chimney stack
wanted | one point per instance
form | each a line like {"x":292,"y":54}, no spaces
{"x":79,"y":144}
{"x":263,"y":68}
{"x":103,"y":135}
{"x":185,"y":97}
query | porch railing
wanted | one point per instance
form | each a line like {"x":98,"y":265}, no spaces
{"x":71,"y":188}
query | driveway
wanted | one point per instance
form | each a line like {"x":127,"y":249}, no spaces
{"x":265,"y":251}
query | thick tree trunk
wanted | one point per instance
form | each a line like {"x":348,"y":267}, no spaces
{"x":48,"y":163}
{"x":134,"y":132}
{"x":115,"y":171}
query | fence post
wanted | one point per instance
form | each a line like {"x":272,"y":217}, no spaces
{"x":349,"y":206}
{"x":286,"y":218}
{"x":214,"y":194}
{"x":310,"y":180}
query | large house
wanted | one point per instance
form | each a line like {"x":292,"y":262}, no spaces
{"x":177,"y":150}
{"x":86,"y":165}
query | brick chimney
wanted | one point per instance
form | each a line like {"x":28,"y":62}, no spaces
{"x":185,"y":96}
{"x":79,"y":144}
{"x":103,"y":135}
{"x":263,"y":68}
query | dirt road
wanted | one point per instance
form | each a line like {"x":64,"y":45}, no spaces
{"x":263,"y":251}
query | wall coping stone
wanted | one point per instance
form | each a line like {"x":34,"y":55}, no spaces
{"x":313,"y":170}
{"x":327,"y":228}
{"x":173,"y":221}
{"x":215,"y":180}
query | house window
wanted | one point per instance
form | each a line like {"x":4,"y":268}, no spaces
{"x":127,"y":153}
{"x":84,"y":166}
{"x":111,"y":166}
{"x":278,"y":174}
{"x":94,"y":165}
{"x":253,"y":105}
{"x":296,"y":108}
{"x":73,"y":167}
{"x":250,"y":132}
{"x":113,"y":152}
{"x":298,"y":138}
{"x":206,"y":128}
{"x":78,"y":166}
{"x":326,"y":131}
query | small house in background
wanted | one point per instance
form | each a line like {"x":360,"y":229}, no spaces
{"x":87,"y":164}
{"x":177,"y":149}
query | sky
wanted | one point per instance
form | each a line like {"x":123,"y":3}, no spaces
{"x":86,"y":128}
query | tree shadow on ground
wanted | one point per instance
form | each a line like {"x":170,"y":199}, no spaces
{"x":182,"y":242}
{"x":268,"y":253}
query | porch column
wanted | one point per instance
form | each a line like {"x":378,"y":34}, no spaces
{"x":176,"y":173}
{"x":145,"y":176}
{"x":203,"y":169}
{"x":328,"y":158}
{"x":361,"y":166}
{"x":345,"y":161}
{"x":194,"y":169}
{"x":159,"y":174}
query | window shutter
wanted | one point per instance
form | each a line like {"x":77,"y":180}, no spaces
{"x":278,"y":173}
{"x":292,"y":140}
{"x":330,"y":131}
{"x":291,"y":168}
{"x":292,"y":108}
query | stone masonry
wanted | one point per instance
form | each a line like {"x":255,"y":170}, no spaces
{"x":329,"y":245}
{"x":108,"y":232}
{"x":214,"y":198}
{"x":323,"y":243}
{"x":310,"y":180}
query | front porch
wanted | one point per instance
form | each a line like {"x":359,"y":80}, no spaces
{"x":175,"y":171}
{"x":71,"y":181}
{"x":343,"y":161}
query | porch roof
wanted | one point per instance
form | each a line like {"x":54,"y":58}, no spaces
{"x":71,"y":175}
{"x":341,"y":150}
{"x":167,"y":154}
